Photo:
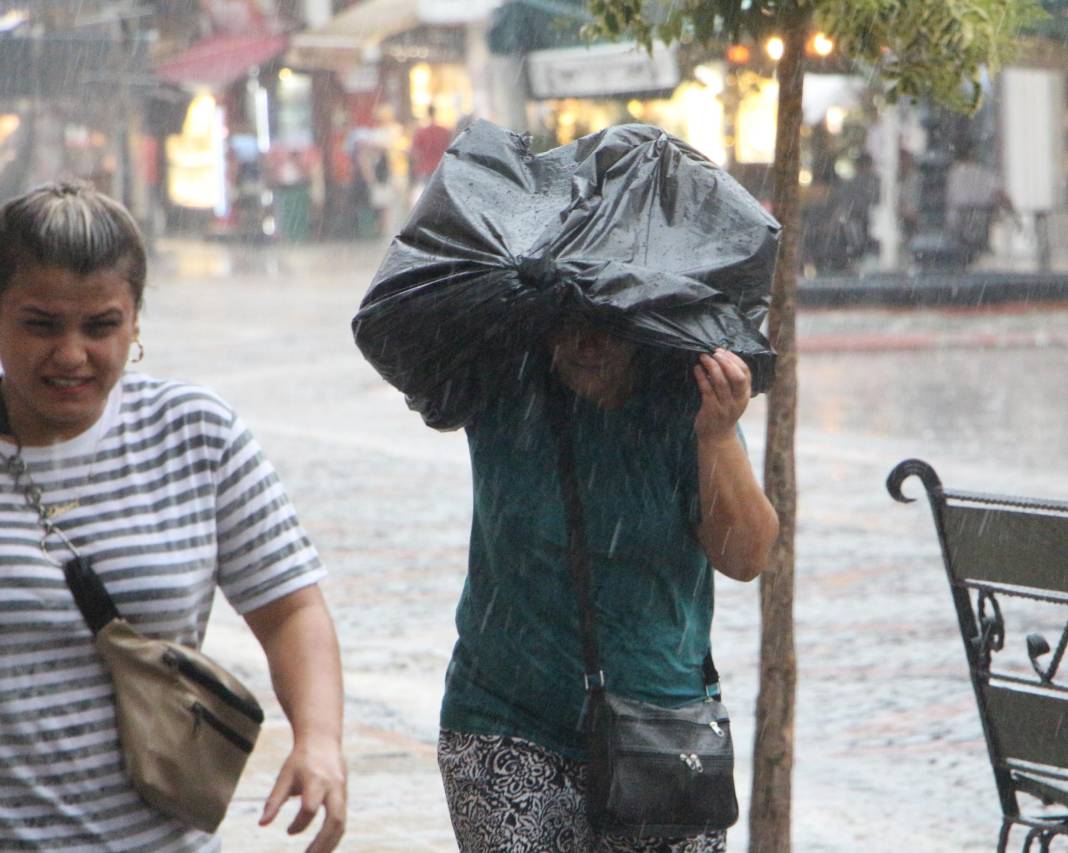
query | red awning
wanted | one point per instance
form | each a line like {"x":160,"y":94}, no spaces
{"x":220,"y":60}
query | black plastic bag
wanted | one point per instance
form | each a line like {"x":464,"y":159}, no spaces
{"x":629,"y":228}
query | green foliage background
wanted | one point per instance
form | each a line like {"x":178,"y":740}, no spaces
{"x":919,"y":48}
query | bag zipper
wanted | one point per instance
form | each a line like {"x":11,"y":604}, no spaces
{"x":209,"y":682}
{"x":709,"y":760}
{"x":715,"y":725}
{"x":236,"y":738}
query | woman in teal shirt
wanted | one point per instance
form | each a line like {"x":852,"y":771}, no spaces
{"x":668,"y":494}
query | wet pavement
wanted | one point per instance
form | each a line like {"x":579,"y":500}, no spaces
{"x":890,"y":754}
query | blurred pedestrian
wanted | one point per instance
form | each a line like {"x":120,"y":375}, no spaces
{"x":908,"y":196}
{"x":292,"y":189}
{"x":163,"y":490}
{"x":429,"y":144}
{"x":860,"y":194}
{"x":361,"y":158}
{"x":851,"y":202}
{"x":975,"y":199}
{"x":383,"y":199}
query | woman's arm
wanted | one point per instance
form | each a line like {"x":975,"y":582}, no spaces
{"x":738,"y":525}
{"x":297,"y":635}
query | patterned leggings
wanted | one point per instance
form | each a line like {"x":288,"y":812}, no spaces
{"x":508,"y":795}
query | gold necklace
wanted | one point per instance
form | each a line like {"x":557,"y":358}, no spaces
{"x":31,"y":493}
{"x":47,"y":512}
{"x":56,"y":510}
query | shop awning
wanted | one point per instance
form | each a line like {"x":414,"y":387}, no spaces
{"x":521,"y":26}
{"x":354,"y":33}
{"x":218,"y":61}
{"x":361,"y":26}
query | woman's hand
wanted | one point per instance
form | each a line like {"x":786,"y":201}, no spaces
{"x":315,"y":772}
{"x":297,"y":634}
{"x":738,"y":525}
{"x":725,"y":385}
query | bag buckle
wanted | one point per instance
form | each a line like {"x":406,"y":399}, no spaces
{"x":593,"y":679}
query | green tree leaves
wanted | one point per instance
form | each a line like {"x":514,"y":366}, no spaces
{"x":920,"y":48}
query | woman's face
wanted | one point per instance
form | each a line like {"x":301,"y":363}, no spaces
{"x":64,"y":342}
{"x":591,"y":362}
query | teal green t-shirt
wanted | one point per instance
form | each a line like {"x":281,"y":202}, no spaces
{"x":517,"y":666}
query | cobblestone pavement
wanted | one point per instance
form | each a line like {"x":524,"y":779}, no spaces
{"x":889,"y":750}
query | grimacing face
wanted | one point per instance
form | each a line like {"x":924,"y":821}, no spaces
{"x":593,"y":363}
{"x":64,"y":342}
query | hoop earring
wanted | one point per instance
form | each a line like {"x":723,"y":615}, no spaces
{"x":140,"y":351}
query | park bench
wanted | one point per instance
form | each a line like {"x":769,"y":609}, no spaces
{"x":1010,"y":556}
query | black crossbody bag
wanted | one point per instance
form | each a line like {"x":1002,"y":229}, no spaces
{"x":653,"y":771}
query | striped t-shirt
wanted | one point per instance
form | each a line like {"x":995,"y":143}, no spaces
{"x":169,"y":496}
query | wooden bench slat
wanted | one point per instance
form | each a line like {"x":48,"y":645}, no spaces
{"x":1028,"y":726}
{"x":1003,"y":546}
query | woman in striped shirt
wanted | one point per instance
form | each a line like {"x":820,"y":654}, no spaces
{"x":163,"y":488}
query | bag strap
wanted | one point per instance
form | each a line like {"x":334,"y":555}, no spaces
{"x":97,"y":606}
{"x":89,"y":592}
{"x":5,"y":420}
{"x":577,"y":553}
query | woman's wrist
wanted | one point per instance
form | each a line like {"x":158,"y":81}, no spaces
{"x":715,"y":440}
{"x":317,"y":738}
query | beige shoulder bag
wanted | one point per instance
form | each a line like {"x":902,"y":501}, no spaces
{"x":186,"y":725}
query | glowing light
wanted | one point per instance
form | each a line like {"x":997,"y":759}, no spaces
{"x":636,"y":109}
{"x":738,"y":54}
{"x":710,"y":77}
{"x":285,"y":74}
{"x":9,"y":123}
{"x":705,"y":120}
{"x":775,"y":47}
{"x":420,"y":82}
{"x":805,"y":178}
{"x":754,"y":121}
{"x":12,"y":19}
{"x":835,"y":120}
{"x":196,"y":158}
{"x":263,"y":124}
{"x":822,"y":45}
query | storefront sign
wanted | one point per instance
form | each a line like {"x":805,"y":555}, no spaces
{"x":601,"y":70}
{"x":455,"y":11}
{"x":359,"y":78}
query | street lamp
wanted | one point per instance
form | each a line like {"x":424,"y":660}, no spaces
{"x":822,"y":46}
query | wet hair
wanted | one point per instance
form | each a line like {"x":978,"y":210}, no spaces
{"x":73,"y":226}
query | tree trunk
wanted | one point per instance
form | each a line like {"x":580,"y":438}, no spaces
{"x":773,"y":750}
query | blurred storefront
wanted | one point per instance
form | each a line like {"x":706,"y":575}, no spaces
{"x":242,"y":161}
{"x":578,"y":90}
{"x":384,"y":64}
{"x":71,"y":100}
{"x":411,"y":53}
{"x":218,"y":166}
